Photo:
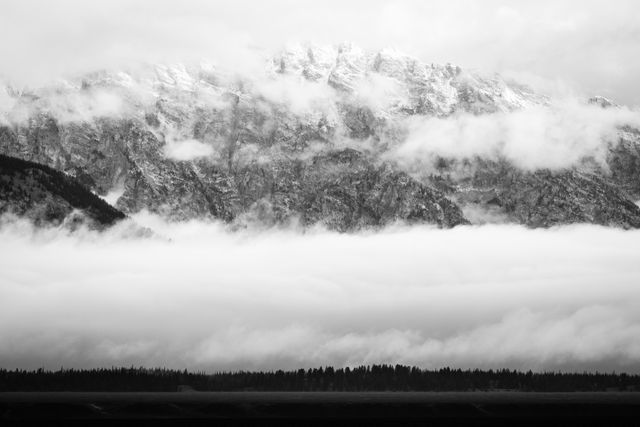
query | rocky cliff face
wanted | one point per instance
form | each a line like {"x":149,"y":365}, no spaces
{"x":543,"y":198}
{"x":306,"y":142}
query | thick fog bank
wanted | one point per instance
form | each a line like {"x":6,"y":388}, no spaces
{"x":490,"y":297}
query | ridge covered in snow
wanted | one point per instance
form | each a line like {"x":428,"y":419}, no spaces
{"x":333,"y":135}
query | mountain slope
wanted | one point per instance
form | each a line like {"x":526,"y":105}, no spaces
{"x":310,"y":140}
{"x":546,"y":198}
{"x":48,"y":196}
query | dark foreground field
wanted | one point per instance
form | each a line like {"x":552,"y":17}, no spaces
{"x":321,"y":408}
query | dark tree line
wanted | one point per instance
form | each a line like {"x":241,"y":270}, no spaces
{"x":57,"y":183}
{"x":363,"y":378}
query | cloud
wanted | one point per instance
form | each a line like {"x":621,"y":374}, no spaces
{"x":537,"y":137}
{"x":114,"y":194}
{"x":6,"y":101}
{"x":477,"y":214}
{"x":188,"y":149}
{"x":379,"y":92}
{"x":298,"y":94}
{"x":85,"y":106}
{"x":590,"y":44}
{"x":490,"y":296}
{"x":64,"y":103}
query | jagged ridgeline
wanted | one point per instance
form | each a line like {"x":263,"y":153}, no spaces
{"x":362,"y":378}
{"x":312,"y":140}
{"x":48,"y":196}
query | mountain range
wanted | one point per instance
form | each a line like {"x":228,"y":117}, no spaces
{"x":313,"y":138}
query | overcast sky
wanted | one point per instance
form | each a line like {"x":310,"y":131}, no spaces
{"x":586,"y":46}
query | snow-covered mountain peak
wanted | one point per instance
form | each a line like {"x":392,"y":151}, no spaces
{"x":602,"y":102}
{"x":314,"y":133}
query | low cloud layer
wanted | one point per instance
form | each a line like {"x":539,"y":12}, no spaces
{"x":554,"y":137}
{"x":491,"y":296}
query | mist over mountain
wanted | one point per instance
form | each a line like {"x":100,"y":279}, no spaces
{"x":319,"y":205}
{"x":332,"y":135}
{"x":235,"y":185}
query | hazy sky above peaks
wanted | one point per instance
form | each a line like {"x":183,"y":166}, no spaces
{"x":577,"y":47}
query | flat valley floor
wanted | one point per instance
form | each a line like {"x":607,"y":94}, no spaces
{"x":321,"y":408}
